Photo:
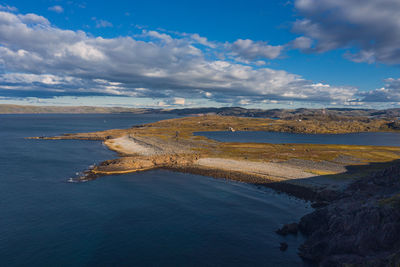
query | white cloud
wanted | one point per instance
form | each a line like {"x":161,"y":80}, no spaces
{"x":244,"y":102}
{"x":179,"y":101}
{"x":389,"y":93}
{"x":302,"y":43}
{"x":31,"y":19}
{"x":157,"y":35}
{"x":43,"y":59}
{"x":208,"y":94}
{"x":57,"y":9}
{"x":371,"y":27}
{"x":250,"y":50}
{"x":8,"y":8}
{"x":103,"y":24}
{"x":202,"y":40}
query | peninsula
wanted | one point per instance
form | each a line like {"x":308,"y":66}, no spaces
{"x":333,"y":177}
{"x":171,"y":144}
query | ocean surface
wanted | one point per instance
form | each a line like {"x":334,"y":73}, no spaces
{"x":145,"y":219}
{"x":368,"y":138}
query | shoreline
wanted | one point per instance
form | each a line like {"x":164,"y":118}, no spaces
{"x":171,"y":144}
{"x":355,"y":180}
{"x":297,"y":191}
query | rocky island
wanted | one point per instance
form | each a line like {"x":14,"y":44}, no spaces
{"x":355,"y":189}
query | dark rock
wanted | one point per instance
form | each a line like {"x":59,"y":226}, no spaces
{"x":395,"y":125}
{"x":284,"y":246}
{"x":327,"y":195}
{"x":291,"y":228}
{"x":319,"y":204}
{"x":359,"y":227}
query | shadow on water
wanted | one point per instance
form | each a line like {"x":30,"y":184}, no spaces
{"x":295,"y":187}
{"x":352,"y":174}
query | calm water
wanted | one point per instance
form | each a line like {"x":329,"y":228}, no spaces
{"x":368,"y":139}
{"x":149,"y":218}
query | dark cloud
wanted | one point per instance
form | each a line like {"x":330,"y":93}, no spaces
{"x":370,"y":26}
{"x":389,"y":93}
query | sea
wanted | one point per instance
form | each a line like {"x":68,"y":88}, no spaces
{"x":153,"y":218}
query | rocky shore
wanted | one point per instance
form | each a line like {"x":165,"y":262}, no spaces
{"x":355,"y":189}
{"x":357,"y":227}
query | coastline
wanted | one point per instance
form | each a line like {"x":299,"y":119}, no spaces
{"x":171,"y":144}
{"x":322,"y":174}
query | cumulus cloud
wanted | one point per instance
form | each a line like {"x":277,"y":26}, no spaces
{"x":370,"y":27}
{"x":43,"y":59}
{"x":202,"y":40}
{"x":250,"y":50}
{"x":154,"y":34}
{"x":302,"y":43}
{"x":57,"y":9}
{"x":389,"y":93}
{"x":28,"y":19}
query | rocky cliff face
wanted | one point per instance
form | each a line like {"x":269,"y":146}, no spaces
{"x":360,"y":228}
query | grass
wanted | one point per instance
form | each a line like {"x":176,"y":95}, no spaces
{"x":185,"y":127}
{"x":320,"y":172}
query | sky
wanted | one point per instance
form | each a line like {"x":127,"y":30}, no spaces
{"x":176,"y":54}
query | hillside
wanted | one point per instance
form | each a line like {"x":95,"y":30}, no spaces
{"x":290,"y":114}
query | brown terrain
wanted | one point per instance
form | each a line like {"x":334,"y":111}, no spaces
{"x":172,"y":144}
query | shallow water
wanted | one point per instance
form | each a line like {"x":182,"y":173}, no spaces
{"x":368,"y":139}
{"x":149,"y":218}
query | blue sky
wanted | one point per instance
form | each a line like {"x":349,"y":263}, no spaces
{"x":201,"y":53}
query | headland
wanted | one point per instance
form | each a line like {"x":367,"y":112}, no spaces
{"x":354,"y":188}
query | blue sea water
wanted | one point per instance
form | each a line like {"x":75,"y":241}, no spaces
{"x":144,"y":219}
{"x":367,"y":139}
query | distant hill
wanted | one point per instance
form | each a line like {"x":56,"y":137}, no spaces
{"x":290,"y":113}
{"x":225,"y":111}
{"x":19,"y":109}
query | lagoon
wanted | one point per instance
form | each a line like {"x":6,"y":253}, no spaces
{"x":367,"y":138}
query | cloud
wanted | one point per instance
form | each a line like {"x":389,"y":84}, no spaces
{"x":179,"y":101}
{"x":389,"y":93}
{"x":29,"y":19}
{"x":157,"y":35}
{"x":103,"y":24}
{"x":369,"y":28}
{"x":202,"y":40}
{"x":302,"y":43}
{"x":8,"y":8}
{"x":208,"y":94}
{"x":250,"y":50}
{"x":57,"y":9}
{"x":42,"y":60}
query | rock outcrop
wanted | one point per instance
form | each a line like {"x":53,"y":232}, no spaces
{"x":360,"y":228}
